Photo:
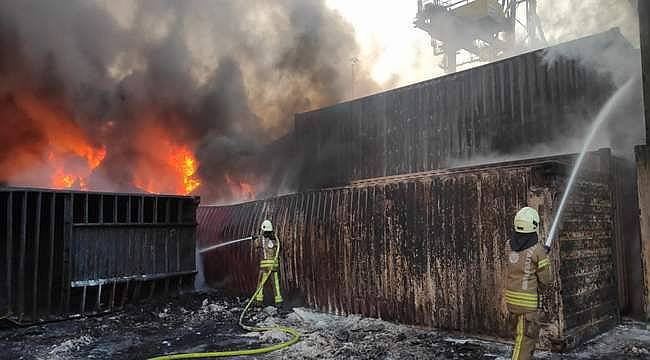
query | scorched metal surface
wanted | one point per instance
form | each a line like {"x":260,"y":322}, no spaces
{"x":506,"y":107}
{"x":430,"y":248}
{"x":67,"y":253}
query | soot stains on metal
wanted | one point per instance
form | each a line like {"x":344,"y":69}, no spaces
{"x":70,"y":253}
{"x":505,"y":107}
{"x":430,"y":248}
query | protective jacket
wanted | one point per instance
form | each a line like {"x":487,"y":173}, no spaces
{"x":269,"y":265}
{"x":268,"y":245}
{"x":527,"y":268}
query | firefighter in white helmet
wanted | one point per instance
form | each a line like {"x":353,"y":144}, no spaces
{"x":528,"y":267}
{"x":269,"y":244}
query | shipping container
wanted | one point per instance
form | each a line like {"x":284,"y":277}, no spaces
{"x":430,"y":248}
{"x":70,"y":253}
{"x":527,"y":104}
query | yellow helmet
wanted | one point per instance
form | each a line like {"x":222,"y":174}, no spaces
{"x":526,"y":220}
{"x":267,"y":226}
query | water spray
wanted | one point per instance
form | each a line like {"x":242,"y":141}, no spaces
{"x":210,"y":248}
{"x":600,"y":119}
{"x":294,"y":334}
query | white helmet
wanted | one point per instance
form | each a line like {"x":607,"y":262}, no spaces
{"x":526,"y":220}
{"x":267,"y":226}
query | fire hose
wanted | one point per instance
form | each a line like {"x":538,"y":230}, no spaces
{"x":295,"y":335}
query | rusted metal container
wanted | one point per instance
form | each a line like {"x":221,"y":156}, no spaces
{"x":69,"y":253}
{"x":642,"y":155}
{"x":644,"y":40}
{"x":506,"y":107}
{"x":430,"y":248}
{"x":628,"y":244}
{"x":643,"y":183}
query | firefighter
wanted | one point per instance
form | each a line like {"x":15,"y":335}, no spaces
{"x":269,"y":244}
{"x":528,"y":267}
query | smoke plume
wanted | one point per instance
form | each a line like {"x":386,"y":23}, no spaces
{"x":162,"y":96}
{"x":568,"y":20}
{"x":611,"y":56}
{"x":615,"y":60}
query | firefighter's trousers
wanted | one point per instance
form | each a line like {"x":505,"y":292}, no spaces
{"x":270,"y":267}
{"x":526,"y":334}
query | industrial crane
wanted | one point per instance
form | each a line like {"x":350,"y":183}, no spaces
{"x":483,"y":28}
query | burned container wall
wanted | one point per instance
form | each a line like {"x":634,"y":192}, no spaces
{"x":430,"y":249}
{"x":119,"y":252}
{"x":642,"y":153}
{"x":589,"y":269}
{"x":34,"y":261}
{"x":233,"y":267}
{"x":67,"y":253}
{"x":589,"y":246}
{"x":628,"y":244}
{"x":129,"y":247}
{"x":644,"y":40}
{"x":506,"y":107}
{"x":427,"y":250}
{"x":107,"y":243}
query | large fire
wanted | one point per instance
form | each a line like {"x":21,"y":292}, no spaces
{"x":164,"y":166}
{"x":179,"y":167}
{"x":50,"y":149}
{"x":188,"y":166}
{"x":69,"y":158}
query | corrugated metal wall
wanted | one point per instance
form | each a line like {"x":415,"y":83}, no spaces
{"x":628,"y":244}
{"x":505,"y":107}
{"x":34,"y":258}
{"x":77,"y":253}
{"x":424,"y":249}
{"x":643,"y":156}
{"x":643,"y":196}
{"x":588,"y":266}
{"x":644,"y":40}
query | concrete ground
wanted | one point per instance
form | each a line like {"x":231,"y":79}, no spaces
{"x":208,"y":322}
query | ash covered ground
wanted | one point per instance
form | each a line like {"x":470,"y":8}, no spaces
{"x":201,"y":322}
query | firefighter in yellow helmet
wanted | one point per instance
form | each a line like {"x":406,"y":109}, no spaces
{"x":269,"y":244}
{"x":528,"y":267}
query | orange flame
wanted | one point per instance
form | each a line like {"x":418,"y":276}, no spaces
{"x":186,"y":163}
{"x":161,"y":163}
{"x":66,"y":142}
{"x":171,"y":169}
{"x":61,"y":180}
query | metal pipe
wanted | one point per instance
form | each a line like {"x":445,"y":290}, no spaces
{"x":210,"y":248}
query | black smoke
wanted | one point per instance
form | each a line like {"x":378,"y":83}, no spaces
{"x":225,"y":76}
